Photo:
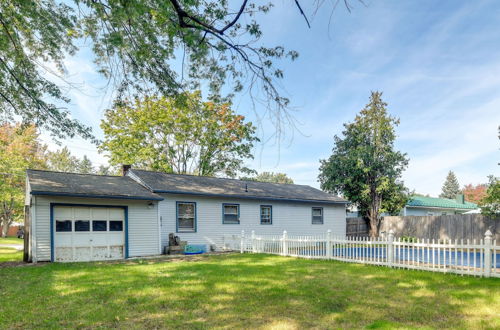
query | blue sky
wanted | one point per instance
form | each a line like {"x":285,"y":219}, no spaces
{"x":437,"y":63}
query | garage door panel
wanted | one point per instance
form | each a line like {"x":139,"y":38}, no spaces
{"x":115,"y":239}
{"x":64,"y":254}
{"x":82,"y":254}
{"x":82,"y":213}
{"x":64,"y":239}
{"x":90,"y":235}
{"x":116,"y":214}
{"x":101,"y":239}
{"x":102,"y":213}
{"x":80,"y":239}
{"x":63,"y":213}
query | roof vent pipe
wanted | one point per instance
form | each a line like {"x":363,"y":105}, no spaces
{"x":125,"y":169}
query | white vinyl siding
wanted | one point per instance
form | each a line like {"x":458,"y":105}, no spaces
{"x":293,"y":217}
{"x":143,"y":238}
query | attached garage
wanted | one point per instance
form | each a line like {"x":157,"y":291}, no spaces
{"x":84,"y":233}
{"x":78,"y":217}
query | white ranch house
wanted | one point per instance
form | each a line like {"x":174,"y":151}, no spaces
{"x":80,"y":217}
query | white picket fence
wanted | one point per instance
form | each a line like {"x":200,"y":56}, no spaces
{"x":468,"y":257}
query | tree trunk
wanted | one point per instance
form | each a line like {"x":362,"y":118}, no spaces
{"x":5,"y":227}
{"x":373,"y":214}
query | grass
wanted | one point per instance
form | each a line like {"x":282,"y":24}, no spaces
{"x":11,"y":240}
{"x":243,"y":291}
{"x":9,"y":254}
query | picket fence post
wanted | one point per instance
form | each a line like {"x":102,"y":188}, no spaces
{"x":329,"y":244}
{"x":487,"y":253}
{"x":242,"y":242}
{"x":254,"y":248}
{"x":390,"y":248}
{"x":285,"y":243}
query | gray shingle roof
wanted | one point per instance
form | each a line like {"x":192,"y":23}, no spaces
{"x":209,"y":186}
{"x":87,"y":185}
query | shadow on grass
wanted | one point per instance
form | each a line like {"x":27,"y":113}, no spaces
{"x":244,"y":291}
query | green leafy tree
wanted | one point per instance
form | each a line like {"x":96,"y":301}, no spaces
{"x":490,"y":204}
{"x":180,"y":135}
{"x":107,"y":170}
{"x":135,"y":44}
{"x":85,"y":166}
{"x":451,"y":187}
{"x":63,"y":161}
{"x":270,"y":177}
{"x":364,"y":166}
{"x":20,"y":149}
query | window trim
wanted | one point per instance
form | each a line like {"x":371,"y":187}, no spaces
{"x":114,"y":231}
{"x":195,"y":224}
{"x":82,"y":231}
{"x":223,"y":214}
{"x":64,"y":231}
{"x":270,"y":214}
{"x":322,"y":215}
{"x":99,"y":231}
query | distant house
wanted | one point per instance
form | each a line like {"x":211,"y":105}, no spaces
{"x":422,"y":206}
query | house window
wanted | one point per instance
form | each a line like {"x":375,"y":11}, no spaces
{"x":266,"y":215}
{"x":186,"y":217}
{"x":82,"y":225}
{"x":99,"y":225}
{"x":231,"y":214}
{"x":63,"y":225}
{"x":116,"y":226}
{"x":317,"y":215}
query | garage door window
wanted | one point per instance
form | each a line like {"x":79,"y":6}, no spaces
{"x":63,"y":225}
{"x":99,"y":225}
{"x":82,"y":225}
{"x":116,"y":226}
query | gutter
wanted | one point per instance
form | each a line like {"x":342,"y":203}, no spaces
{"x":51,"y":193}
{"x":298,"y":200}
{"x":441,"y":207}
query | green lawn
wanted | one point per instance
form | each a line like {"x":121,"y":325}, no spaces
{"x":242,"y":291}
{"x":11,"y":240}
{"x":8,"y":254}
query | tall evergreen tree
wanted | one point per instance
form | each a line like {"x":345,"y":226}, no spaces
{"x":364,"y":166}
{"x":85,"y":166}
{"x":451,"y":187}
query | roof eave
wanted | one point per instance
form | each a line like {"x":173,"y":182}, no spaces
{"x":443,"y":207}
{"x":60,"y":194}
{"x":298,"y":200}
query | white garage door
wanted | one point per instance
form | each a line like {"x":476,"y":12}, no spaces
{"x":88,"y":233}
